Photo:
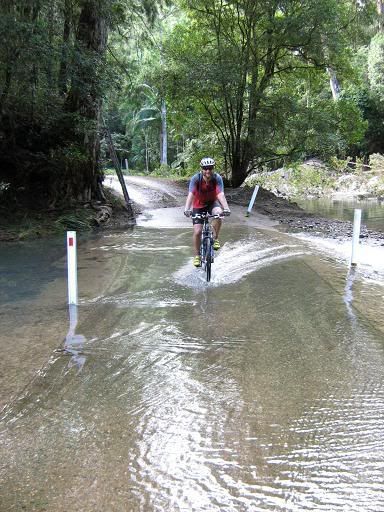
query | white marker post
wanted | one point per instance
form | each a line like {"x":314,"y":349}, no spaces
{"x":252,"y":201}
{"x":72,"y":267}
{"x":126,"y":165}
{"x":355,"y":237}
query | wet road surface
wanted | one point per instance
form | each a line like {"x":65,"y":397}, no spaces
{"x":262,"y":390}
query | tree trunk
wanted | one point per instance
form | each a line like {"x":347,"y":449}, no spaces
{"x":164,"y":137}
{"x":239,"y":162}
{"x":6,"y":87}
{"x":146,"y":152}
{"x":34,"y":71}
{"x":334,"y":83}
{"x":84,"y":98}
{"x":51,"y":60}
{"x":380,"y":12}
{"x":63,"y":72}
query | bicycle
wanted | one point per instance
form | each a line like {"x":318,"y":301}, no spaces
{"x":206,"y":245}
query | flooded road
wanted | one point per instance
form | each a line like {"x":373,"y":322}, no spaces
{"x":262,"y":390}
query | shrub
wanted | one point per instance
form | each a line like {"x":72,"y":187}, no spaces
{"x":376,"y":161}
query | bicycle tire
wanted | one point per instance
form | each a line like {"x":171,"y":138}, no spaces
{"x":203,"y":252}
{"x":208,"y":259}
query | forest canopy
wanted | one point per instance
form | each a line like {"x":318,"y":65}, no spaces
{"x":254,"y":84}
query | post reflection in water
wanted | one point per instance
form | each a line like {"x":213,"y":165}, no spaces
{"x":348,"y":293}
{"x":74,"y":343}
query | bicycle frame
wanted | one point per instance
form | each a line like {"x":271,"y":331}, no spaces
{"x":206,"y":243}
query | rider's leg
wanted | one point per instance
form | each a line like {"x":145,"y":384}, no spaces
{"x":197,"y":229}
{"x":216,"y":223}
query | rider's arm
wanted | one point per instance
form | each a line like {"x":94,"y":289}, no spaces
{"x":189,"y":201}
{"x":220,"y":192}
{"x":223,"y":201}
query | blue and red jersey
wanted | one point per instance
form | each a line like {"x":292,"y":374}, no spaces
{"x":205,"y":193}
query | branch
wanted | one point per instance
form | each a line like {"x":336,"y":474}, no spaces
{"x":223,"y":133}
{"x":118,"y":62}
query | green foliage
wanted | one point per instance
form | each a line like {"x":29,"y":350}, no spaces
{"x":244,"y":82}
{"x":378,"y":189}
{"x":29,"y":224}
{"x":376,"y":162}
{"x":376,"y":66}
{"x":53,"y":79}
{"x":296,"y":180}
{"x":372,"y":111}
{"x":254,"y":73}
{"x":162,"y":171}
{"x":188,"y":161}
{"x":122,"y":144}
{"x":339,"y":165}
{"x":308,"y":179}
{"x":334,"y":126}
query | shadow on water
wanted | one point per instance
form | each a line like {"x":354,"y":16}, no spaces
{"x":254,"y":392}
{"x":26,"y":267}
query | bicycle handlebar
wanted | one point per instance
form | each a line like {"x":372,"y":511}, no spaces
{"x":206,"y":216}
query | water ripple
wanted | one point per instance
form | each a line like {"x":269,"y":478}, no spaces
{"x":238,"y":259}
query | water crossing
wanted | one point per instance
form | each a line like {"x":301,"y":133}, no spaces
{"x":262,"y":390}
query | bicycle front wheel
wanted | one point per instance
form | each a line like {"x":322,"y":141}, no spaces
{"x":208,"y":258}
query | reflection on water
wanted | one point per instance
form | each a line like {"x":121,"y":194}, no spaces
{"x":74,"y":343}
{"x":343,"y":209}
{"x":348,"y":295}
{"x":263,"y":390}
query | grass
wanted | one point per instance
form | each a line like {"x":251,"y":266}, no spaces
{"x":28,"y":225}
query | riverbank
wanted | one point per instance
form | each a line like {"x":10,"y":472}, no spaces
{"x":314,"y":179}
{"x":29,"y":224}
{"x":293,"y":218}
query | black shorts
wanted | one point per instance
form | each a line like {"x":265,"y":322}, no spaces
{"x":208,"y":208}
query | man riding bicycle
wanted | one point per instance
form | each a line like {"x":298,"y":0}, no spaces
{"x":205,"y":194}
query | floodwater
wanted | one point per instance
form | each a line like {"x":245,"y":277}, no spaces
{"x":343,"y":209}
{"x":260,"y":391}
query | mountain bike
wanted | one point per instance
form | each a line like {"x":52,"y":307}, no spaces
{"x":206,"y":245}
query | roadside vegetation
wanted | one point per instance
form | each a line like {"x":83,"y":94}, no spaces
{"x":313,"y":178}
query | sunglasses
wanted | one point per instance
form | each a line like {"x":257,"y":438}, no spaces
{"x":208,"y":168}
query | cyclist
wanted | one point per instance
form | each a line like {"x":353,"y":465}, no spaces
{"x":206,"y":194}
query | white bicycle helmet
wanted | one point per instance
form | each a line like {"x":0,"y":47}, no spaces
{"x":207,"y":162}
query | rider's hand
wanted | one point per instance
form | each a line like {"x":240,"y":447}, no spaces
{"x":187,"y":213}
{"x":226,"y":212}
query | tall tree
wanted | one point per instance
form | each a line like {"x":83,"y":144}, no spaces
{"x":232,"y":56}
{"x":380,"y":12}
{"x":85,"y":94}
{"x":53,"y":79}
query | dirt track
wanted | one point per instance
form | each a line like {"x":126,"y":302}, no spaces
{"x":163,"y":193}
